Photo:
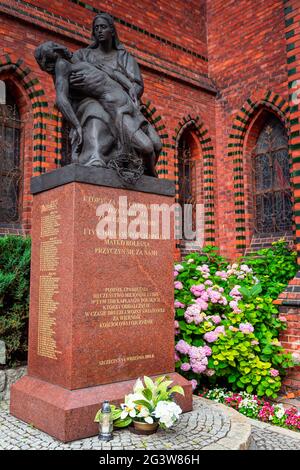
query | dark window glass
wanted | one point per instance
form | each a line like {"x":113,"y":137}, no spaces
{"x":186,"y":180}
{"x":272,"y":188}
{"x":10,"y":174}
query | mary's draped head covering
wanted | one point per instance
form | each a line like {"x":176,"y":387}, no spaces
{"x":109,"y":19}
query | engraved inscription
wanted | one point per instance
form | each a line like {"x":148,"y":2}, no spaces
{"x":50,"y":224}
{"x":49,"y":255}
{"x":49,"y":280}
{"x":122,"y":360}
{"x":125,"y":306}
{"x":47,"y":308}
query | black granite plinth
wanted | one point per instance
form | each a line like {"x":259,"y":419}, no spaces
{"x":99,"y":177}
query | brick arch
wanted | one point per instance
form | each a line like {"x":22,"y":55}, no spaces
{"x":152,"y":115}
{"x":261,"y":99}
{"x":15,"y":68}
{"x":207,"y":151}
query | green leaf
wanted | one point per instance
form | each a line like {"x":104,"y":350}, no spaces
{"x":144,"y":403}
{"x":177,"y":389}
{"x":147,"y":394}
{"x":232,"y":378}
{"x":123,"y":423}
{"x":116,"y":414}
{"x":149,"y":383}
{"x":160,"y":379}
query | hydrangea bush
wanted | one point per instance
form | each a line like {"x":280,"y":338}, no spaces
{"x":226,"y":327}
{"x":253,"y":407}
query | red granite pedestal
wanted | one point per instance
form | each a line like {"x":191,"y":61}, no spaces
{"x":101,"y":310}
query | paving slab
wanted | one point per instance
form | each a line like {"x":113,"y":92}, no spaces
{"x":210,"y":426}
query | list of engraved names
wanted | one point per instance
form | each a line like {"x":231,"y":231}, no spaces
{"x":49,"y":280}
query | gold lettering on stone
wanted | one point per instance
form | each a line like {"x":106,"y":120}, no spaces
{"x":125,"y":306}
{"x":50,"y":224}
{"x":121,"y":360}
{"x":47,"y":308}
{"x":49,"y":280}
{"x":49,"y":255}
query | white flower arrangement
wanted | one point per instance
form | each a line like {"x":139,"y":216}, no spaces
{"x":151,"y":401}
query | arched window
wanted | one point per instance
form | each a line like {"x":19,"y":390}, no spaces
{"x":187,"y":173}
{"x":10,"y":174}
{"x":272,"y":188}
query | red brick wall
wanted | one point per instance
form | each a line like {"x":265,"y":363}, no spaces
{"x":247,"y":64}
{"x":173,"y":62}
{"x":247,"y":61}
{"x":180,"y":22}
{"x":289,"y":300}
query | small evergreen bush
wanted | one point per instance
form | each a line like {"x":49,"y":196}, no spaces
{"x":15,"y":254}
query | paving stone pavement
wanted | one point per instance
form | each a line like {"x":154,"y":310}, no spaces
{"x":207,"y":426}
{"x":265,"y":436}
{"x":211,"y":426}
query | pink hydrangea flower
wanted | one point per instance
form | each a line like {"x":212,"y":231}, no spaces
{"x":235,"y":293}
{"x":178,"y":267}
{"x":274,"y":372}
{"x":254,"y":342}
{"x":176,"y":357}
{"x":234,"y":305}
{"x":197,"y":290}
{"x":220,"y":330}
{"x":176,"y":273}
{"x":198,"y":359}
{"x":202,"y":304}
{"x":198,"y":353}
{"x":207,"y":350}
{"x":296,"y":357}
{"x":182,"y":347}
{"x":282,"y":318}
{"x":245,"y":268}
{"x":216,"y":319}
{"x":204,"y":296}
{"x":193,"y":314}
{"x":246,"y":328}
{"x":194,"y":384}
{"x":185,"y":367}
{"x":210,"y":372}
{"x":178,"y":285}
{"x":211,"y":336}
{"x":222,"y":274}
{"x":214,"y":295}
{"x":178,"y":304}
{"x":208,"y":283}
{"x":198,"y":368}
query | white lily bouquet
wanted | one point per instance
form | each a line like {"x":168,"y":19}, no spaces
{"x":151,"y":402}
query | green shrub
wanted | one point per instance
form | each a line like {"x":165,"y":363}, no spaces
{"x":274,"y":267}
{"x":14,"y":296}
{"x":227,"y":326}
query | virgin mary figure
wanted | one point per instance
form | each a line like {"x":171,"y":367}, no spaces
{"x":101,"y":140}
